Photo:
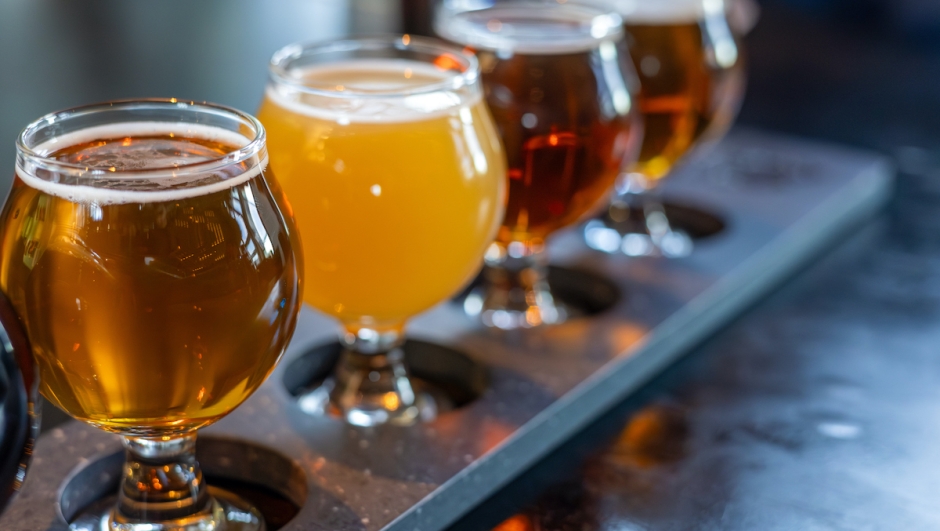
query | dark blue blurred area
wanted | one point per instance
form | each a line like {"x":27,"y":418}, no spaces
{"x":862,"y":72}
{"x":916,"y":19}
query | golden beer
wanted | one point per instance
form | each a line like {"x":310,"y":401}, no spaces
{"x":691,"y":77}
{"x":156,"y":305}
{"x":396,"y":196}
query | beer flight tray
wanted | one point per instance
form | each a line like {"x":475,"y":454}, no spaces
{"x":777,"y":201}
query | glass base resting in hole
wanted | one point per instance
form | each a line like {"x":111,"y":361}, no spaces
{"x":371,"y":385}
{"x":515,"y":292}
{"x":636,"y":224}
{"x":580,"y":292}
{"x":162,"y":489}
{"x":442,"y":377}
{"x":611,"y":236}
{"x":227,"y":512}
{"x":638,"y":231}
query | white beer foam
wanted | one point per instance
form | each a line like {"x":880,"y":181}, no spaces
{"x":372,"y":100}
{"x":532,"y":28}
{"x":658,"y":12}
{"x":169,"y":179}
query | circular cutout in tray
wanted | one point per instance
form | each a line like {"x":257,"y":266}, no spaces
{"x":448,"y":372}
{"x":583,"y":293}
{"x":698,"y":224}
{"x":273,"y":483}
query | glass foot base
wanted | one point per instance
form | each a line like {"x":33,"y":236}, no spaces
{"x":426,"y":406}
{"x":227,"y":512}
{"x":633,"y":241}
{"x":508,"y":316}
{"x":667,"y":230}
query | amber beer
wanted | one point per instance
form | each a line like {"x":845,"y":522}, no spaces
{"x":562,"y":105}
{"x":155,"y":305}
{"x":691,"y":76}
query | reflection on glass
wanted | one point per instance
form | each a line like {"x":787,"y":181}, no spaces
{"x":155,"y":275}
{"x":560,"y":84}
{"x":397,"y":178}
{"x":692,"y":84}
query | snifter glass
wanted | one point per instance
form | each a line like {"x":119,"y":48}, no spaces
{"x":152,"y":260}
{"x":561,"y":86}
{"x":397,"y":178}
{"x":692,"y":83}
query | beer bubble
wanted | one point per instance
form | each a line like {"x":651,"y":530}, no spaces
{"x":650,"y":66}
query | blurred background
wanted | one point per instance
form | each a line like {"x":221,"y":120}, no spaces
{"x":862,"y":72}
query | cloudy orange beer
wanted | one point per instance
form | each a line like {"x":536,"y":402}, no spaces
{"x":397,"y":180}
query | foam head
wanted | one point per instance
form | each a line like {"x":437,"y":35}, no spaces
{"x":659,"y":12}
{"x":139,"y":162}
{"x":372,"y":91}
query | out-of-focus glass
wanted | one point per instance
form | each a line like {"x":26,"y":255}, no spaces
{"x":560,"y":84}
{"x":19,"y":403}
{"x":148,"y":253}
{"x":397,"y":178}
{"x":692,"y":85}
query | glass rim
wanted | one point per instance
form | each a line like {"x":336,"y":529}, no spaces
{"x":604,"y":22}
{"x":279,"y":66}
{"x":252,"y":148}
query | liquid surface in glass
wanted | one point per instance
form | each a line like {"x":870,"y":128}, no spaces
{"x":156,"y":306}
{"x":562,"y":101}
{"x":396,"y":196}
{"x":691,"y":75}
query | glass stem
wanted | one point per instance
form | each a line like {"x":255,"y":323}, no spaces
{"x":162,"y":482}
{"x":373,"y":384}
{"x":628,"y":210}
{"x":638,"y":209}
{"x":657,"y":224}
{"x":517,"y":293}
